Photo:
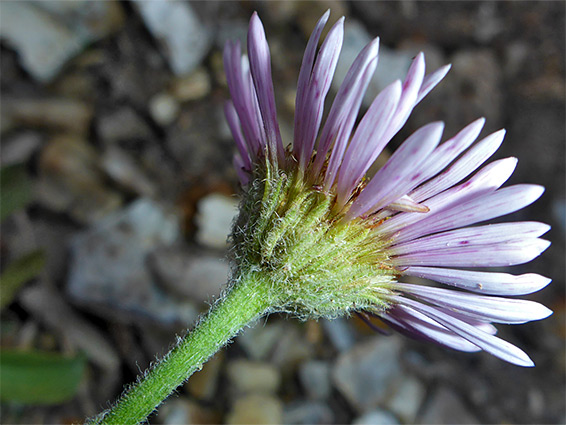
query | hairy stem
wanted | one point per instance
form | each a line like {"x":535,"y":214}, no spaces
{"x":247,"y":300}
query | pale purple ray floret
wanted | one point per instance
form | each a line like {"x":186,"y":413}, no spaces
{"x":423,"y":200}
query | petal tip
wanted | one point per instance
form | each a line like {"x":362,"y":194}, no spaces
{"x":436,"y":126}
{"x":502,"y":132}
{"x":256,"y":26}
{"x":537,"y":191}
{"x":548,"y":312}
{"x":374,"y":46}
{"x":527,"y":363}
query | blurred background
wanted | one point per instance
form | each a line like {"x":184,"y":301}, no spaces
{"x":117,"y":194}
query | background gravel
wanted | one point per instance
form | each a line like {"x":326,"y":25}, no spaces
{"x":115,"y":111}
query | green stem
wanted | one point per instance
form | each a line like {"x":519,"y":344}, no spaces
{"x":247,"y":300}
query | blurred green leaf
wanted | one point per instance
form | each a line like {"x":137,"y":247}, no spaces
{"x":19,"y":272}
{"x":36,"y":377}
{"x":15,"y":189}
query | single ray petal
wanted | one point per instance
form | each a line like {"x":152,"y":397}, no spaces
{"x":491,"y":283}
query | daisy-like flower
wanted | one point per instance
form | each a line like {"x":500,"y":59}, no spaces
{"x":328,"y":241}
{"x":316,"y":238}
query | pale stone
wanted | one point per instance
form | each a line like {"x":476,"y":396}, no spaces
{"x":407,"y":399}
{"x":59,"y":114}
{"x":308,"y":413}
{"x":256,"y":409}
{"x":109,"y":271}
{"x":174,"y":24}
{"x":445,"y":407}
{"x":376,"y":417}
{"x":252,"y":377}
{"x":70,"y":180}
{"x":164,"y":108}
{"x":315,"y":378}
{"x":365,"y":374}
{"x":196,"y":275}
{"x":47,"y":34}
{"x":216,"y":213}
{"x":192,"y":87}
{"x":123,"y":169}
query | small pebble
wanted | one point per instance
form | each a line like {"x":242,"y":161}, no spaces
{"x":365,"y":374}
{"x":183,"y":38}
{"x":407,"y":399}
{"x":376,"y":417}
{"x":259,"y":340}
{"x":446,"y":407}
{"x":214,"y":219}
{"x":340,"y":333}
{"x":192,"y":87}
{"x":252,"y":377}
{"x":256,"y":409}
{"x":308,"y":412}
{"x":164,"y":108}
{"x":315,"y":378}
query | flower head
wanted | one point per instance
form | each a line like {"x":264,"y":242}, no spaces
{"x":330,"y":241}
